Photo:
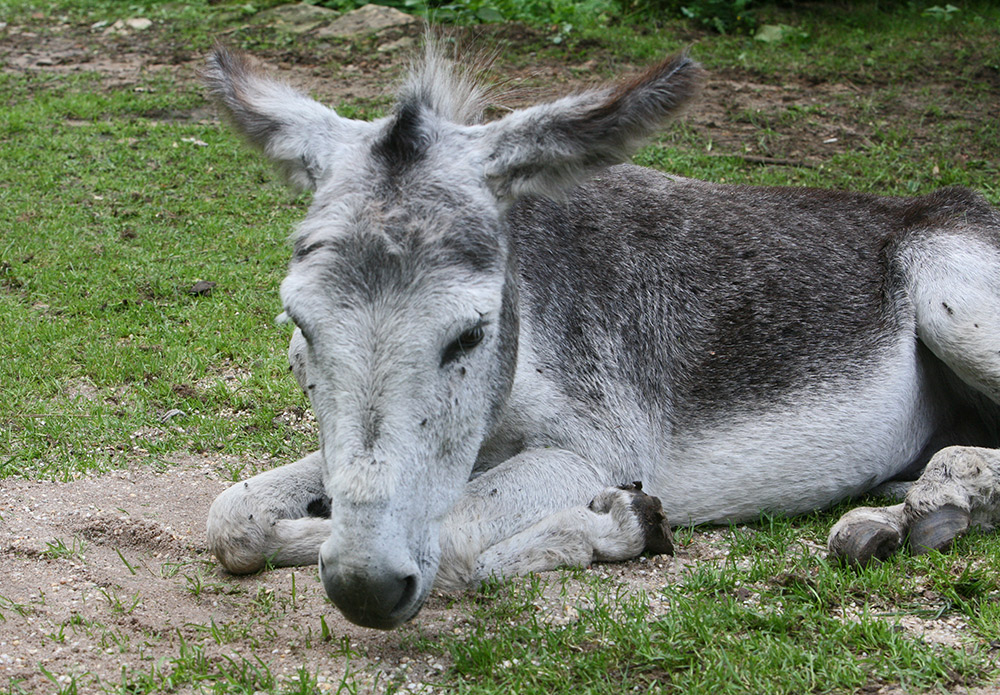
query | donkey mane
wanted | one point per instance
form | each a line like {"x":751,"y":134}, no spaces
{"x":436,"y":89}
{"x":457,"y":92}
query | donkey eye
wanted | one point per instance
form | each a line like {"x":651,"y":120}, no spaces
{"x":465,"y":343}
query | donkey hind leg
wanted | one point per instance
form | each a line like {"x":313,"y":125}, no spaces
{"x":959,"y":489}
{"x":513,"y":520}
{"x":954,"y":285}
{"x":280,"y":516}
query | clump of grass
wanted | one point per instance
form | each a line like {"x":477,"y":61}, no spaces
{"x":770,"y":618}
{"x":57,"y":549}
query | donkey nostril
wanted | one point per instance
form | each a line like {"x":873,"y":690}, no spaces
{"x":409,"y":592}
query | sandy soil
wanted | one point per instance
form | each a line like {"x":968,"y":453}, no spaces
{"x":136,"y":579}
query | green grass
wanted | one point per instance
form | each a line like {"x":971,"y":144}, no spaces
{"x":769,"y":618}
{"x":115,"y":201}
{"x":58,"y":548}
{"x":111,"y":214}
{"x":113,"y":205}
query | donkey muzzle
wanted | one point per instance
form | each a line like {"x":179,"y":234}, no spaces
{"x":373,"y":593}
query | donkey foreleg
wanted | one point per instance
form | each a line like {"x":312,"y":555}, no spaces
{"x":538,"y":511}
{"x":619,"y":524}
{"x":280,"y":516}
{"x":959,"y":488}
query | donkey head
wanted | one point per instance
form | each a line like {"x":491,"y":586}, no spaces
{"x":403,"y":285}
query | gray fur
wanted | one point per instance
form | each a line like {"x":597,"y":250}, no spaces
{"x":498,"y":327}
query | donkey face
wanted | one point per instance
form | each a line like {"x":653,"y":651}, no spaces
{"x":404,"y":286}
{"x":411,"y":334}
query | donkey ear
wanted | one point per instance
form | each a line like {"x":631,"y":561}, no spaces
{"x":298,"y":134}
{"x":547,"y":148}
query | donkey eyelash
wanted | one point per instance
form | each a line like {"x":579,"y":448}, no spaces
{"x":466,"y":341}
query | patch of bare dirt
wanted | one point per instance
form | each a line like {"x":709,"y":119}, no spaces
{"x":68,"y":50}
{"x":111,"y":571}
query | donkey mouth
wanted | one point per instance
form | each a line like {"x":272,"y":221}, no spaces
{"x":373,"y":597}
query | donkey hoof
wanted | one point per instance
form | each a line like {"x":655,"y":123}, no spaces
{"x":649,"y":511}
{"x":936,"y":530}
{"x":861,"y":542}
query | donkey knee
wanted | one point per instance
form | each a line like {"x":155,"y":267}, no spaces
{"x":237,"y":533}
{"x":633,"y":506}
{"x":954,"y":287}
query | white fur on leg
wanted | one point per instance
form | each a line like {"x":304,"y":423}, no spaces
{"x":510,"y":499}
{"x":607,"y":530}
{"x":295,"y":542}
{"x":266,"y":518}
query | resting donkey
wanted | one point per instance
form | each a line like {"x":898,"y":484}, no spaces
{"x":497,"y":328}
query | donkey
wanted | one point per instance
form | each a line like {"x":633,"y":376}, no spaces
{"x":499,"y":326}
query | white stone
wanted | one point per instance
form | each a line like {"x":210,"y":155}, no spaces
{"x":138,"y":23}
{"x":366,"y":20}
{"x":299,"y":18}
